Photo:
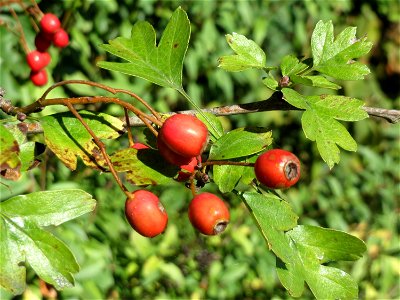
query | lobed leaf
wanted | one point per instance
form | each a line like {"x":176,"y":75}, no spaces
{"x":320,"y":125}
{"x":335,"y":58}
{"x":301,"y":250}
{"x":161,"y":64}
{"x":23,"y":239}
{"x":68,"y":138}
{"x":248,"y":54}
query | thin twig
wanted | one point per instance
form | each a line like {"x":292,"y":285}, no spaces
{"x":101,"y":147}
{"x":137,"y":112}
{"x":128,"y":128}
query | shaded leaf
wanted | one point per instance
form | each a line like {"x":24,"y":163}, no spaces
{"x":67,"y":137}
{"x":160,"y":64}
{"x":143,"y":167}
{"x":9,"y":154}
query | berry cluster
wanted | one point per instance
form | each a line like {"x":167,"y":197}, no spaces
{"x":50,"y":33}
{"x":181,"y":141}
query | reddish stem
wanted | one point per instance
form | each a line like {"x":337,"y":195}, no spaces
{"x":101,"y":147}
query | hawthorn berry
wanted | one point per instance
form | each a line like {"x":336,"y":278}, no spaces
{"x":145,"y":213}
{"x":184,"y":134}
{"x":50,"y":23}
{"x":171,"y":156}
{"x":38,"y":78}
{"x":277,"y":169}
{"x":208,"y":214}
{"x":37,"y":60}
{"x":42,"y":42}
{"x":60,"y":38}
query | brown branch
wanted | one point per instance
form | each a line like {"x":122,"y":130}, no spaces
{"x":275,"y":102}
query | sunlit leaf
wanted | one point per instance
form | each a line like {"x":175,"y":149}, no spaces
{"x":160,"y":64}
{"x":335,"y":57}
{"x":68,"y":138}
{"x":23,"y":239}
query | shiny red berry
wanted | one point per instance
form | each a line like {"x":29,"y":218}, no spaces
{"x":145,"y":213}
{"x":184,"y":134}
{"x":171,"y":156}
{"x":208,"y":214}
{"x":50,"y":23}
{"x":277,"y":169}
{"x":60,"y":38}
{"x":42,"y":42}
{"x":39,"y":78}
{"x":38,"y":60}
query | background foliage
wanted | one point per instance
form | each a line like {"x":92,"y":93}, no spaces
{"x":360,"y":195}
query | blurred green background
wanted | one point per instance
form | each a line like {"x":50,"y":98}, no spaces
{"x":360,"y":195}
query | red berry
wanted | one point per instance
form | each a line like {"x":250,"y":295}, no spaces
{"x":42,"y":42}
{"x":39,"y":78}
{"x":188,"y":169}
{"x":50,"y":23}
{"x":61,"y":38}
{"x":38,"y":60}
{"x":170,"y":156}
{"x":139,"y":146}
{"x":184,"y":134}
{"x":145,"y":213}
{"x":277,"y":169}
{"x":208,"y":214}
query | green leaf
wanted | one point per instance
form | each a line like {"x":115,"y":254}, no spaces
{"x":316,"y":81}
{"x":238,"y":143}
{"x":248,"y":54}
{"x":213,"y":124}
{"x":9,"y":153}
{"x":227,"y":176}
{"x":161,"y":64}
{"x":23,"y":239}
{"x":320,"y":125}
{"x":335,"y":58}
{"x":322,"y":244}
{"x":67,"y":137}
{"x":271,"y":82}
{"x":291,"y":65}
{"x":49,"y":207}
{"x":302,"y":249}
{"x":143,"y":167}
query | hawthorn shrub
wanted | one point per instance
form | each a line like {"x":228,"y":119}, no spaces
{"x":303,"y":250}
